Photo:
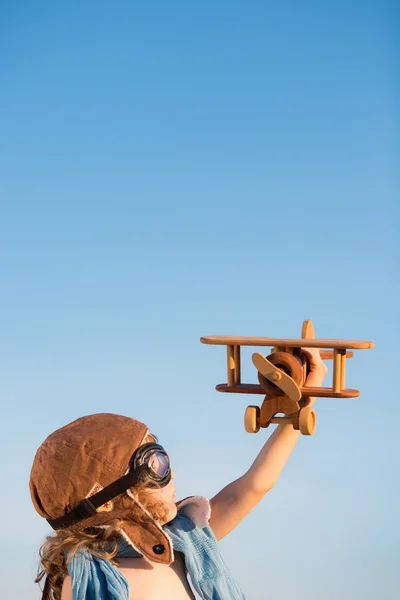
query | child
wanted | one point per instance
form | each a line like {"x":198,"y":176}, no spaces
{"x":106,"y":486}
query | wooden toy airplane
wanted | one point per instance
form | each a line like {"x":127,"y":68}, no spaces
{"x":282,"y":376}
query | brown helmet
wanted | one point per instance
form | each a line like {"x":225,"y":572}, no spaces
{"x":73,"y":467}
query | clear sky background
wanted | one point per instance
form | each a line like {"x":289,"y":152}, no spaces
{"x":175,"y":169}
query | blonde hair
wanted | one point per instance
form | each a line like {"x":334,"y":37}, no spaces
{"x":100,"y":542}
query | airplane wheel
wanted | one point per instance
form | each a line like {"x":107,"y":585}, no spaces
{"x":307,"y":420}
{"x":289,"y":364}
{"x":252,"y":419}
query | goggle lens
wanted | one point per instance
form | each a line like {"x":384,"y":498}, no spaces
{"x":159,"y":464}
{"x":152,"y":459}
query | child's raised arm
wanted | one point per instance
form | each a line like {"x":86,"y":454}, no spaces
{"x":238,"y":498}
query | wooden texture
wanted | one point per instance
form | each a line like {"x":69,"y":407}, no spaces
{"x":342,"y":369}
{"x":281,"y":420}
{"x":236,"y":360}
{"x":307,"y":420}
{"x":234,"y":340}
{"x":278,"y":377}
{"x":282,"y":375}
{"x":230,"y":365}
{"x":318,"y":392}
{"x":289,"y":364}
{"x":307,"y":330}
{"x":328,"y":354}
{"x":252,"y":419}
{"x":273,"y":405}
{"x":337,"y":369}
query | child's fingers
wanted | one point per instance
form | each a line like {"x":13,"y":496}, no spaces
{"x":314,"y":356}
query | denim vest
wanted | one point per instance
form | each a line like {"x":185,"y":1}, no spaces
{"x":97,"y":579}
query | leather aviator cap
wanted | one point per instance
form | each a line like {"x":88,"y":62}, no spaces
{"x":80,"y":459}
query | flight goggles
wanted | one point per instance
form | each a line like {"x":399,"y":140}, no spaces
{"x":149,"y":463}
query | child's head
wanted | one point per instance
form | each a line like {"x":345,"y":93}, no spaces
{"x":104,"y":476}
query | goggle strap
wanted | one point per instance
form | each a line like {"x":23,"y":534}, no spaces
{"x":88,"y":506}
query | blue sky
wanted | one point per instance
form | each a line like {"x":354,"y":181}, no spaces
{"x":173,"y":170}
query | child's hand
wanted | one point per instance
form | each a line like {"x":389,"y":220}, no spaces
{"x":316,"y":362}
{"x":317,"y":374}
